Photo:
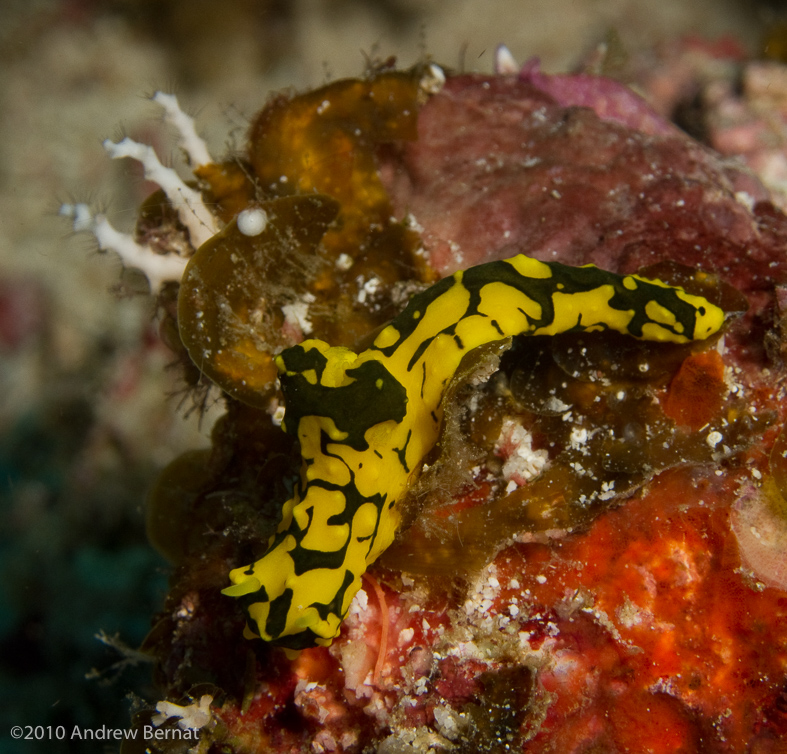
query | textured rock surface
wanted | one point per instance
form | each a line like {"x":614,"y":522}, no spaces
{"x":653,"y":622}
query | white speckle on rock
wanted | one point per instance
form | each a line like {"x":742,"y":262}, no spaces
{"x":359,"y":603}
{"x":297,"y":313}
{"x":406,"y":636}
{"x":344,"y":262}
{"x":714,"y":438}
{"x":522,"y":462}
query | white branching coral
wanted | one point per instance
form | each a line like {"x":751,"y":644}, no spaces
{"x":190,"y":142}
{"x":192,"y":211}
{"x":192,"y":716}
{"x":158,"y":268}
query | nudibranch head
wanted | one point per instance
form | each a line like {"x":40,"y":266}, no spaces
{"x":675,"y":315}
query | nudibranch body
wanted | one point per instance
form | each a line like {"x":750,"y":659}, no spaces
{"x":365,"y":421}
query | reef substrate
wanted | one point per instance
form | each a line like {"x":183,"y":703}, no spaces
{"x":594,"y":558}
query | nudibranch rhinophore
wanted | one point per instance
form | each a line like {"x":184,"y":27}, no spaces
{"x":365,"y":421}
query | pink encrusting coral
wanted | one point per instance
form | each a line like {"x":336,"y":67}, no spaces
{"x":499,"y":167}
{"x":609,"y":99}
{"x":587,"y":565}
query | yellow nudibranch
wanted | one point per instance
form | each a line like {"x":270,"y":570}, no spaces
{"x":365,"y":421}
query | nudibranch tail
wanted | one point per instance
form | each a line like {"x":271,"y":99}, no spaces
{"x":365,"y":421}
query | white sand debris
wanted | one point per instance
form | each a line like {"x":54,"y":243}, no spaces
{"x":515,"y":445}
{"x":192,"y":716}
{"x":505,"y":62}
{"x":433,"y":79}
{"x":296,"y":313}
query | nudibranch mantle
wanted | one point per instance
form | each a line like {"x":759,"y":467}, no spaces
{"x":365,"y":421}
